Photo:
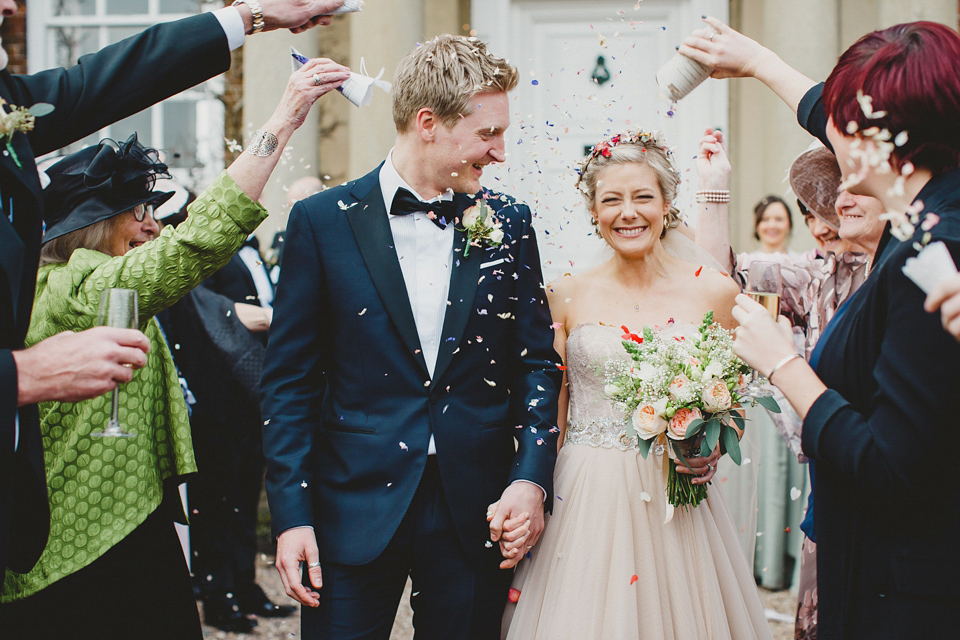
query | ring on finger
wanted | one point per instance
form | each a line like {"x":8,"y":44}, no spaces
{"x":317,"y":80}
{"x":710,"y":466}
{"x":710,"y":37}
{"x":313,"y":565}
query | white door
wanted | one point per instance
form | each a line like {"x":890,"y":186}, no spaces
{"x":559,"y":110}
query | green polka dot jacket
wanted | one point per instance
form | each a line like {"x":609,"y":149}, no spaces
{"x":101,"y":489}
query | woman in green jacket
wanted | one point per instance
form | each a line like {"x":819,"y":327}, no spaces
{"x":112,"y":567}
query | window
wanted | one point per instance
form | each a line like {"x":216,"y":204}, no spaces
{"x":188,"y":127}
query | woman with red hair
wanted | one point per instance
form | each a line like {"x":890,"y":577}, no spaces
{"x":880,"y":393}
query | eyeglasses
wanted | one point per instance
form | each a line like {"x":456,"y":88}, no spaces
{"x":141,"y":211}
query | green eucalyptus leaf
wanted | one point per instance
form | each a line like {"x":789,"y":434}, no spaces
{"x":704,"y":448}
{"x":732,"y":444}
{"x":694,"y":427}
{"x":678,"y":450}
{"x":645,"y":446}
{"x":713,"y":433}
{"x":769,"y":403}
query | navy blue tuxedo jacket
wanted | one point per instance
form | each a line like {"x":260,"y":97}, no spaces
{"x":348,"y":405}
{"x":102,"y":88}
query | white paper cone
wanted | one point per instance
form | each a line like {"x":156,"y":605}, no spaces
{"x":931,"y":266}
{"x":349,"y":6}
{"x":681,"y":75}
{"x":295,"y":59}
{"x":358,"y":89}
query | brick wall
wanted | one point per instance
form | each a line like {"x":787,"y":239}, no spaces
{"x":14,"y":34}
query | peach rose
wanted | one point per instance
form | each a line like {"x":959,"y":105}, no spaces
{"x":648,"y":421}
{"x":716,"y":396}
{"x":681,"y":421}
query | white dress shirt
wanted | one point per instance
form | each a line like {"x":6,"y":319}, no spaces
{"x":425,"y":252}
{"x":232,"y":24}
{"x":261,"y":279}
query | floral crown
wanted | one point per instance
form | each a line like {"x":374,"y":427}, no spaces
{"x":605,"y":148}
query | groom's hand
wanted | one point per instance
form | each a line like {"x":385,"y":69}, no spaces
{"x":295,"y":546}
{"x":296,"y":15}
{"x":507,"y":524}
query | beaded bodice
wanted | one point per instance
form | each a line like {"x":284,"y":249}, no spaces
{"x":593,"y":418}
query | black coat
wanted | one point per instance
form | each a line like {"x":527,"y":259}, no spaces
{"x":102,"y":88}
{"x":884,"y":439}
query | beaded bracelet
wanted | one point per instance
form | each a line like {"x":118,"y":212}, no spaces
{"x":713,"y":196}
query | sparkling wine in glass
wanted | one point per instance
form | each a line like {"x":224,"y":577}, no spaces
{"x":763,"y":286}
{"x":118,"y":308}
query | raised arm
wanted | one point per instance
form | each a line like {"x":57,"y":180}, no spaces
{"x":733,"y":55}
{"x":73,"y":367}
{"x":713,"y":170}
{"x":224,"y":214}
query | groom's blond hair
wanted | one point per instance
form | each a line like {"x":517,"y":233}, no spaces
{"x":443,"y":75}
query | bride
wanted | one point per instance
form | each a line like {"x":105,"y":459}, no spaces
{"x":607,"y":567}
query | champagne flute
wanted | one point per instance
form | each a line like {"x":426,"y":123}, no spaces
{"x":118,"y":308}
{"x":763,"y":286}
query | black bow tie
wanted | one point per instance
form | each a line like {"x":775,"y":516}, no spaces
{"x":405,"y":203}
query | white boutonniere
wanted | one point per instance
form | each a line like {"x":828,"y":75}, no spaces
{"x":481,"y":226}
{"x":15,"y":119}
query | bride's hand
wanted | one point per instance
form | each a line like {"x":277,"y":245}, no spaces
{"x":703,"y":468}
{"x":713,"y":165}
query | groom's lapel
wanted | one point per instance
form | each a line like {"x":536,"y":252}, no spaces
{"x":371,"y":228}
{"x":464,"y":278}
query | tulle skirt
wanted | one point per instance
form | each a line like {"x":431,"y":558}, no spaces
{"x":607,"y":567}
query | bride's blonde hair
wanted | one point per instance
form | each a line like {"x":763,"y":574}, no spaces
{"x":638,"y":147}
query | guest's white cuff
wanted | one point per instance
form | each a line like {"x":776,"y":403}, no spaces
{"x":232,"y":24}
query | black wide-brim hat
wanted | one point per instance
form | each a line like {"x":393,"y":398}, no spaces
{"x":100,"y":182}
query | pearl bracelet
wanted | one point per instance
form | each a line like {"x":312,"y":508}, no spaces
{"x":780,"y":364}
{"x":713,"y":196}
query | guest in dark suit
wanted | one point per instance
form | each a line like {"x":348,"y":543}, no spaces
{"x":229,"y":445}
{"x":104,"y":87}
{"x":879,"y":399}
{"x":410,"y":383}
{"x":113,"y":566}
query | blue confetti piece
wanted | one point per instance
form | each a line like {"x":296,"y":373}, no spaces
{"x":534,"y":82}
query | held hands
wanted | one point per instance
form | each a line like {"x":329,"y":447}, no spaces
{"x":759,"y":341}
{"x":516,"y":521}
{"x":946,"y":297}
{"x":295,"y":546}
{"x":713,"y":165}
{"x":296,"y":15}
{"x":315,"y":78}
{"x":729,"y":53}
{"x":70,"y":367}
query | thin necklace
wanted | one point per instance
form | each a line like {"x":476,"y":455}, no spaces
{"x":630,"y":294}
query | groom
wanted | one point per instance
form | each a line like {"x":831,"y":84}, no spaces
{"x":410,"y":382}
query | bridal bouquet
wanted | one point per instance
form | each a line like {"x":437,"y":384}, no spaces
{"x":680,"y":389}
